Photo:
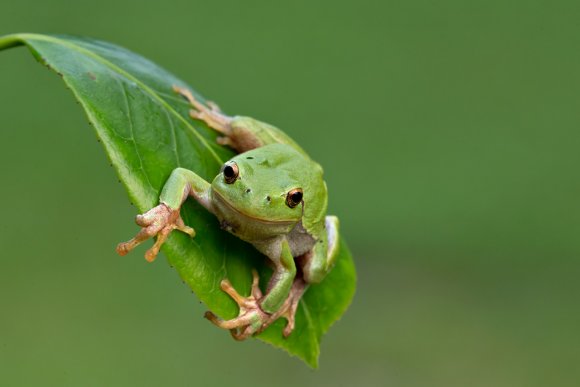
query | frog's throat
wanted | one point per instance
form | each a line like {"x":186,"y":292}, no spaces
{"x":255,"y":218}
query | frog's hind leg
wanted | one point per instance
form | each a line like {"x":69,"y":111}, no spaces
{"x":239,"y":133}
{"x":331,"y":224}
{"x":319,"y":261}
{"x":211,"y":115}
{"x":250,"y":318}
{"x":315,"y":265}
{"x":288,"y":309}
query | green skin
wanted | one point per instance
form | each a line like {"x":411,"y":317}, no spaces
{"x":255,"y":205}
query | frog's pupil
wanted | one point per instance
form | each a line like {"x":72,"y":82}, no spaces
{"x":228,"y":172}
{"x":296,"y":197}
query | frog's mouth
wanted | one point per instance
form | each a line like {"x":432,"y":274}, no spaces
{"x":231,"y":207}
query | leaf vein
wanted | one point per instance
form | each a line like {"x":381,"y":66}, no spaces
{"x":154,"y":94}
{"x":130,"y":119}
{"x":174,"y":139}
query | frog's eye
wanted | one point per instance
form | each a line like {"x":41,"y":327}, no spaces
{"x":231,"y":172}
{"x":294,"y":197}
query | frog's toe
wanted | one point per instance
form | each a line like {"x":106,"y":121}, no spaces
{"x":180,"y":225}
{"x":210,"y":114}
{"x":214,"y":106}
{"x":158,"y":221}
{"x":249,"y":321}
{"x":251,"y":317}
{"x":223,"y":140}
{"x":291,"y":318}
{"x":235,"y":323}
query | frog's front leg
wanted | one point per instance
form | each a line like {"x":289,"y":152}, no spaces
{"x":257,"y":312}
{"x":164,"y":218}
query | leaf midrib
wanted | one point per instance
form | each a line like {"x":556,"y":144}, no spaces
{"x":127,"y":75}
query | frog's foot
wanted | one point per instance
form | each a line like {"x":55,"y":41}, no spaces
{"x":288,"y":309}
{"x":211,"y":115}
{"x":251,"y":317}
{"x":160,"y":221}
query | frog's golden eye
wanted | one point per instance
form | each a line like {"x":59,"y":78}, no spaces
{"x":294,"y":197}
{"x":231,"y":172}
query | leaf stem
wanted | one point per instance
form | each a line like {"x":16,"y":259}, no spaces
{"x":9,"y":41}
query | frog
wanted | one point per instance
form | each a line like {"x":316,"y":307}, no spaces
{"x":272,"y":195}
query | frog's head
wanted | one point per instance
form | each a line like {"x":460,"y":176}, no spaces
{"x":260,"y":186}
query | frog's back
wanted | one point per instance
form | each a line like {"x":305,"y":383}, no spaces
{"x":264,"y":133}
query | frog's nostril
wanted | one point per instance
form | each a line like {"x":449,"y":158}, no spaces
{"x":248,"y":190}
{"x":268,"y":198}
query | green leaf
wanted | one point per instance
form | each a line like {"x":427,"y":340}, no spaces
{"x":146,"y":132}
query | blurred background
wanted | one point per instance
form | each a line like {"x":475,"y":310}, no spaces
{"x":449,"y":132}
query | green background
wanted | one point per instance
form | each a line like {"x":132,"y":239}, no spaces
{"x":449,"y":133}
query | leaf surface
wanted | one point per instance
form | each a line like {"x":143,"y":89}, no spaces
{"x":146,"y":131}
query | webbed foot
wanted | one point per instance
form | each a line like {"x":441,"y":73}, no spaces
{"x":210,"y":114}
{"x":158,"y":221}
{"x":251,"y":317}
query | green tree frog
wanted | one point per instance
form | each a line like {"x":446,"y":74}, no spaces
{"x":272,"y":195}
